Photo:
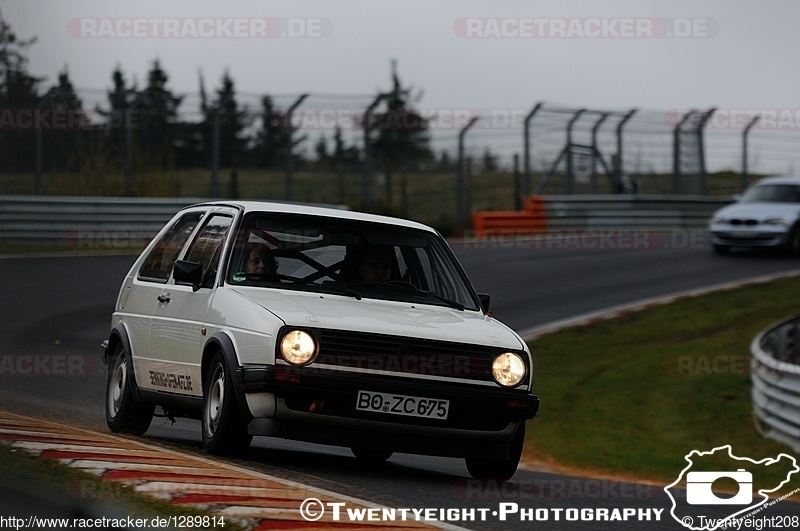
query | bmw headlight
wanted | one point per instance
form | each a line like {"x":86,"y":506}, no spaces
{"x":508,"y":369}
{"x":783,"y":221}
{"x":298,"y":347}
{"x":717,"y":220}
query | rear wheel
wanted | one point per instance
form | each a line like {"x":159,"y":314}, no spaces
{"x":123,"y":413}
{"x":503,"y":469}
{"x":224,"y":428}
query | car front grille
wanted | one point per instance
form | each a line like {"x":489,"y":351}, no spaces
{"x":393,"y":354}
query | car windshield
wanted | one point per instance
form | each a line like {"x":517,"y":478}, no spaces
{"x":776,"y":193}
{"x":347,"y":257}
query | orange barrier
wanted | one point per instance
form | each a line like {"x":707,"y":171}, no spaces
{"x":532,"y":219}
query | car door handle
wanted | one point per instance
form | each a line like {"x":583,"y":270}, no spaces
{"x":163,"y":298}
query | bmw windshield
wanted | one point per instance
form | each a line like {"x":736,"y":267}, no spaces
{"x":772,"y":193}
{"x":347,"y":257}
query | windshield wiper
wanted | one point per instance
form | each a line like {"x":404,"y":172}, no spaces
{"x":401,"y":285}
{"x":339,"y":290}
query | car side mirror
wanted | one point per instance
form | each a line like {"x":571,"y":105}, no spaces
{"x":484,"y":299}
{"x":187,"y":272}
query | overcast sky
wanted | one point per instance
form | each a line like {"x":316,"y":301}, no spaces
{"x":462,"y":53}
{"x":484,"y":56}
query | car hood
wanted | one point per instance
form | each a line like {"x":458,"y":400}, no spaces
{"x":762,"y":210}
{"x":298,"y":308}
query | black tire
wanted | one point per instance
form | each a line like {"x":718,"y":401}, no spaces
{"x":721,"y":249}
{"x":124,"y":414}
{"x":371,"y":455}
{"x":792,"y":247}
{"x":223,"y":426}
{"x":502,"y":469}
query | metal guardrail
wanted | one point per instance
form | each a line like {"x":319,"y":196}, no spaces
{"x":118,"y":223}
{"x":85,"y":222}
{"x":575,"y":212}
{"x":775,"y":372}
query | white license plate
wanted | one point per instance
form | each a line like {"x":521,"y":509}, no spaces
{"x":410,"y":406}
{"x":744,"y":234}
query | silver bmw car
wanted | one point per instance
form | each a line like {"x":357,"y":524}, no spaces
{"x":766,"y":215}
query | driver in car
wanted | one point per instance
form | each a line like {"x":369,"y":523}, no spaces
{"x":375,"y":264}
{"x":260,"y":261}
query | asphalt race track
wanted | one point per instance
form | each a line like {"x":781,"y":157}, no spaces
{"x":56,"y":311}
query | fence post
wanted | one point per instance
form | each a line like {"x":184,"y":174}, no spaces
{"x":676,"y":152}
{"x":570,"y":171}
{"x":215,"y":143}
{"x":366,"y":172}
{"x":744,"y":151}
{"x":461,"y":189}
{"x":517,"y":184}
{"x":702,"y":150}
{"x":619,"y":167}
{"x":595,"y":152}
{"x":527,"y":148}
{"x":290,"y":148}
{"x":38,"y":186}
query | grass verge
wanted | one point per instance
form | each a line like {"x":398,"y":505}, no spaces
{"x":632,"y":396}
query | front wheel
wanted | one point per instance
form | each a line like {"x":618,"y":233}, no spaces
{"x":793,"y":242}
{"x":123,"y":413}
{"x":502,"y":469}
{"x":224,"y":428}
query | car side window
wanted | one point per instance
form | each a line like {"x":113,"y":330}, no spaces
{"x":207,"y":247}
{"x":158,"y":265}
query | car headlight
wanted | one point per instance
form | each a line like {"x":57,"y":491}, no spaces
{"x":298,"y":347}
{"x":508,"y":369}
{"x":715,"y":221}
{"x":778,"y":221}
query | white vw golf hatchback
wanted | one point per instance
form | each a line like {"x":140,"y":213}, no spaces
{"x":316,"y":325}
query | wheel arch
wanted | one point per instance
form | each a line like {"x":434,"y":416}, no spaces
{"x":119,"y":336}
{"x":222,"y":342}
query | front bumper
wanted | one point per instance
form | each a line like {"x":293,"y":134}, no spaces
{"x":321,"y":408}
{"x":749,"y":237}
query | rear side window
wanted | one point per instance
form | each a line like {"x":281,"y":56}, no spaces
{"x":207,"y":247}
{"x":159,"y":262}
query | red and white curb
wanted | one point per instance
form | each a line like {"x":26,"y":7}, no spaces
{"x":256,"y":500}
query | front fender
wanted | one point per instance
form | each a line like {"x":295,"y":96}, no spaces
{"x":222,"y":342}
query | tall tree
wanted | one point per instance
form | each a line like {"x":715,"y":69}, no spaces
{"x":18,"y":92}
{"x":156,"y":108}
{"x":65,"y":148}
{"x":225,"y":117}
{"x":402,"y":142}
{"x":273,"y":136}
